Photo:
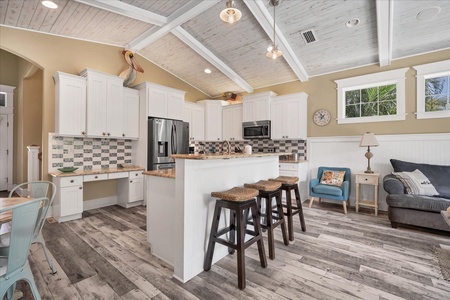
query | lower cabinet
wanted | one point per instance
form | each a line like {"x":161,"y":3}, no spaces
{"x":299,"y":170}
{"x":130,"y":191}
{"x":68,"y":203}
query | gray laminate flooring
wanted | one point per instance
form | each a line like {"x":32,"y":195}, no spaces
{"x":356,"y":256}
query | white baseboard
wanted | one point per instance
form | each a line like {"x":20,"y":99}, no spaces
{"x":100,"y":202}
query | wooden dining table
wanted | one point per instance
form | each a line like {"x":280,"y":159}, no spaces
{"x":10,"y":202}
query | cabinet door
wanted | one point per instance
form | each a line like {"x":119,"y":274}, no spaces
{"x":227,"y":124}
{"x":213,"y":122}
{"x":157,"y":103}
{"x":232,"y":122}
{"x":175,"y":106}
{"x":114,"y":109}
{"x":70,"y":104}
{"x":131,"y":113}
{"x":136,"y":189}
{"x":247,"y":111}
{"x":277,"y":122}
{"x":96,"y":105}
{"x":71,"y":200}
{"x":197,"y":124}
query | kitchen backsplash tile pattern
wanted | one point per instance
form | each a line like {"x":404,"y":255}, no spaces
{"x":89,"y":153}
{"x":260,"y":145}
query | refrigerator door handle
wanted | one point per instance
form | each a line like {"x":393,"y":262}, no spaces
{"x":174,"y":139}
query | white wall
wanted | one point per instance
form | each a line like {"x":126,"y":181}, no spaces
{"x":345,"y":152}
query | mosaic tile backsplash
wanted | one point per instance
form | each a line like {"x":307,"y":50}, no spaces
{"x":89,"y":153}
{"x":260,"y":145}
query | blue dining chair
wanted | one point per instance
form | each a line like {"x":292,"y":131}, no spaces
{"x":15,"y":266}
{"x":332,"y":192}
{"x":36,"y":189}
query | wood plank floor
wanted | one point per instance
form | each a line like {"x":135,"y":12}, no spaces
{"x":356,"y":256}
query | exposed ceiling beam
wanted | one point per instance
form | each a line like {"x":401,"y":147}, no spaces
{"x":127,"y":10}
{"x":265,"y":19}
{"x":189,"y":40}
{"x":182,"y":15}
{"x":385,"y":25}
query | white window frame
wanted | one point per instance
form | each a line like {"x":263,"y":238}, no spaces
{"x":396,"y":77}
{"x":436,"y":69}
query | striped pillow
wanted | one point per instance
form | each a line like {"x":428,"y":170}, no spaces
{"x":416,"y":183}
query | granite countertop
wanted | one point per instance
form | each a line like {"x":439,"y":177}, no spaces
{"x":80,"y":172}
{"x":225,"y":156}
{"x":169,"y":173}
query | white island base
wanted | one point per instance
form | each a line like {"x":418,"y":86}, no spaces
{"x":179,"y":211}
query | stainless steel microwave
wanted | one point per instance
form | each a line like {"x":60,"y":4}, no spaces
{"x":256,"y":130}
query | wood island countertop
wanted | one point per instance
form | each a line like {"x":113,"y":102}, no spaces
{"x":97,"y":171}
{"x":225,"y":156}
{"x":169,"y":173}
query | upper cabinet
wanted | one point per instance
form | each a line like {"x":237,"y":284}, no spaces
{"x":257,"y":107}
{"x":131,"y":113}
{"x":232,"y":122}
{"x":194,"y":114}
{"x":213,"y":119}
{"x":70,"y":104}
{"x":289,"y":116}
{"x":163,"y":102}
{"x":105,"y":115}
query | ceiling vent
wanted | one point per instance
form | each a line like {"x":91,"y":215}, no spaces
{"x":309,"y":36}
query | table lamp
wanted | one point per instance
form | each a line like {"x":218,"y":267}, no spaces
{"x":368,"y":140}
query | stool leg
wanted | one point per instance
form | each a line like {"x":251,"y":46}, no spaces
{"x":281,"y":216}
{"x":211,"y":243}
{"x":300,"y":208}
{"x":232,"y":230}
{"x":257,"y":228}
{"x":289,"y":214}
{"x":269,"y":224}
{"x":241,"y":223}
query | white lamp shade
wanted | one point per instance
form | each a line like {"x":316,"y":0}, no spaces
{"x":368,"y":140}
{"x":230,"y":14}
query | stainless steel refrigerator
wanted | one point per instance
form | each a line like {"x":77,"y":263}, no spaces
{"x":166,"y":137}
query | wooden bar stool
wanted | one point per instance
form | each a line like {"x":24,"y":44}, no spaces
{"x":289,"y":183}
{"x":239,"y":201}
{"x":270,"y":218}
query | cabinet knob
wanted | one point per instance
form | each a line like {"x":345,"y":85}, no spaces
{"x":72,"y":181}
{"x":365,"y":179}
{"x":83,"y":132}
{"x":80,"y":187}
{"x":131,"y":181}
{"x":123,"y":134}
{"x":108,"y":134}
{"x":136,"y":174}
{"x":103,"y":133}
{"x":96,"y":177}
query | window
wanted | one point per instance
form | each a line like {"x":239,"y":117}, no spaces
{"x":433,"y":90}
{"x":376,"y":97}
{"x":2,"y":99}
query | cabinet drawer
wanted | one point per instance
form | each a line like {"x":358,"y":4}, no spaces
{"x":289,"y":167}
{"x":118,"y":175}
{"x":95,"y":177}
{"x":71,"y":181}
{"x":136,"y":174}
{"x":367,"y":179}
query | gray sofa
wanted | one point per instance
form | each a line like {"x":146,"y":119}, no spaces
{"x":418,"y":210}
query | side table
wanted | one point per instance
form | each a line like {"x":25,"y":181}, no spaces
{"x":446,"y":216}
{"x":368,"y":179}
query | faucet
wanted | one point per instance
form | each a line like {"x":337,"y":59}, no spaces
{"x":228,"y":146}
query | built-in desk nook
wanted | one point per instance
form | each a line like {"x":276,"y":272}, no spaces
{"x":180,"y":207}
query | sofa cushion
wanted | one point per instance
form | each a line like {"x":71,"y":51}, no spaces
{"x":327,"y":190}
{"x":416,"y":183}
{"x":437,"y":174}
{"x":425,"y":203}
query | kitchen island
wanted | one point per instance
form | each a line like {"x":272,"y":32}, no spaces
{"x":180,"y":207}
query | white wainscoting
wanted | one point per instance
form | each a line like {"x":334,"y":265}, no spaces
{"x":345,"y":152}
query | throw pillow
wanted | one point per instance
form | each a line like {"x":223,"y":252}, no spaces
{"x":416,"y":183}
{"x":332,"y":177}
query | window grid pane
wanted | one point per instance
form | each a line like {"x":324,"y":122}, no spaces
{"x":374,"y":101}
{"x":437,"y":93}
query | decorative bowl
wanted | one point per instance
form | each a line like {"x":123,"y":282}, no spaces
{"x":67,"y":169}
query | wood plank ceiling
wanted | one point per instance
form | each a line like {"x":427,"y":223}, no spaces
{"x":186,"y":36}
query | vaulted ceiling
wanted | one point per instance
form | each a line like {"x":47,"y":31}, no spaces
{"x":185,"y":37}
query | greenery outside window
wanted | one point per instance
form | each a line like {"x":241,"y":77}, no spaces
{"x":375,"y":97}
{"x":433,"y":90}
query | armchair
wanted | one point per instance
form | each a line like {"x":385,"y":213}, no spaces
{"x":333,"y":192}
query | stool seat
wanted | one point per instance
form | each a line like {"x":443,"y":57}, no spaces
{"x":285,"y":179}
{"x":264,"y":185}
{"x":237,"y":194}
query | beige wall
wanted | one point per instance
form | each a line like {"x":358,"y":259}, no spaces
{"x":323,"y":94}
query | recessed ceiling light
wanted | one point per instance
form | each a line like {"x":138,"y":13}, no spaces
{"x":207,"y":71}
{"x":428,"y":13}
{"x":352,"y":23}
{"x":49,"y":4}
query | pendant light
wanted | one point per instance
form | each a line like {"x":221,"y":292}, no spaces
{"x":230,"y":14}
{"x":273,"y":52}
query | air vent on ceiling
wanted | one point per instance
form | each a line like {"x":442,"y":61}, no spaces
{"x":309,"y":36}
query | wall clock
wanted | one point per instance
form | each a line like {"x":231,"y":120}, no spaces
{"x":322,"y":117}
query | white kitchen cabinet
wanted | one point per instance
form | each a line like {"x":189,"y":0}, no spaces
{"x":130,"y":191}
{"x":104,"y":104}
{"x":213,"y":119}
{"x":299,"y":170}
{"x":70,"y":104}
{"x":68,"y":203}
{"x":289,"y":117}
{"x":194,"y":114}
{"x":130,"y":129}
{"x":232,"y":122}
{"x":163,"y":102}
{"x":257,"y":107}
